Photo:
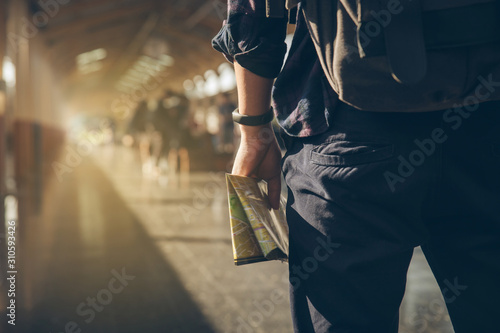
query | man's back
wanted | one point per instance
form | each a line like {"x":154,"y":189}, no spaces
{"x":365,"y":187}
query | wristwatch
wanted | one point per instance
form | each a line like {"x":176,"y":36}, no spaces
{"x":253,"y":120}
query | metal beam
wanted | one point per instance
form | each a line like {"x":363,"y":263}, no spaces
{"x":134,"y":47}
{"x":84,"y":23}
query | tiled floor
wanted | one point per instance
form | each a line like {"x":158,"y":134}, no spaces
{"x":86,"y":259}
{"x":115,"y":252}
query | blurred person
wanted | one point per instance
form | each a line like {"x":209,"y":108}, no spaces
{"x":212,"y":122}
{"x":389,"y":146}
{"x":162,"y":124}
{"x":143,"y":127}
{"x":172,"y":118}
{"x":137,"y":128}
{"x":155,"y":138}
{"x":226,"y":124}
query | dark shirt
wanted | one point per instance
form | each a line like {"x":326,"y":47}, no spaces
{"x":302,"y":96}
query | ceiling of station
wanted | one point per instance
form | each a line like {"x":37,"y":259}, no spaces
{"x":175,"y":33}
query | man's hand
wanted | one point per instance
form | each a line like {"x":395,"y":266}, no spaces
{"x":259,"y":156}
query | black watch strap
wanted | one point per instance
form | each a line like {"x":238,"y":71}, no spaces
{"x":253,"y":120}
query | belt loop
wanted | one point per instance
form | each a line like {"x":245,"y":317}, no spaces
{"x":405,"y":45}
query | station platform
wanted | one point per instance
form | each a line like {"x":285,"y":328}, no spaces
{"x":105,"y":249}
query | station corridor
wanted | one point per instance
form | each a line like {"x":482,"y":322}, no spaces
{"x":170,"y":244}
{"x":115,"y":136}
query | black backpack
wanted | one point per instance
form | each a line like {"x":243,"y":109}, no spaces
{"x":406,"y":55}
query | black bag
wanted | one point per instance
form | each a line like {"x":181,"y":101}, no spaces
{"x":408,"y":55}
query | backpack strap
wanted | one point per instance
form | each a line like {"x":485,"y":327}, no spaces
{"x":405,"y":44}
{"x":275,"y":8}
{"x":290,"y":4}
{"x":282,"y":8}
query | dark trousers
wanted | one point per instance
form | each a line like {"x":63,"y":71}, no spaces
{"x":364,"y":194}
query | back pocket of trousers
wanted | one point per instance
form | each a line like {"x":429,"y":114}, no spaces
{"x":348,"y":153}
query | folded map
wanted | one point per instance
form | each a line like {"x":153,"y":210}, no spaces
{"x":258,"y":233}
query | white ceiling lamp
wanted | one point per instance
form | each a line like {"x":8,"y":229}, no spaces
{"x":8,"y":72}
{"x":91,"y":61}
{"x":211,"y":86}
{"x":227,"y":79}
{"x":199,"y":84}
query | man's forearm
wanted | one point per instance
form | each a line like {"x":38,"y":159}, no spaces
{"x":254,"y":92}
{"x":258,"y":154}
